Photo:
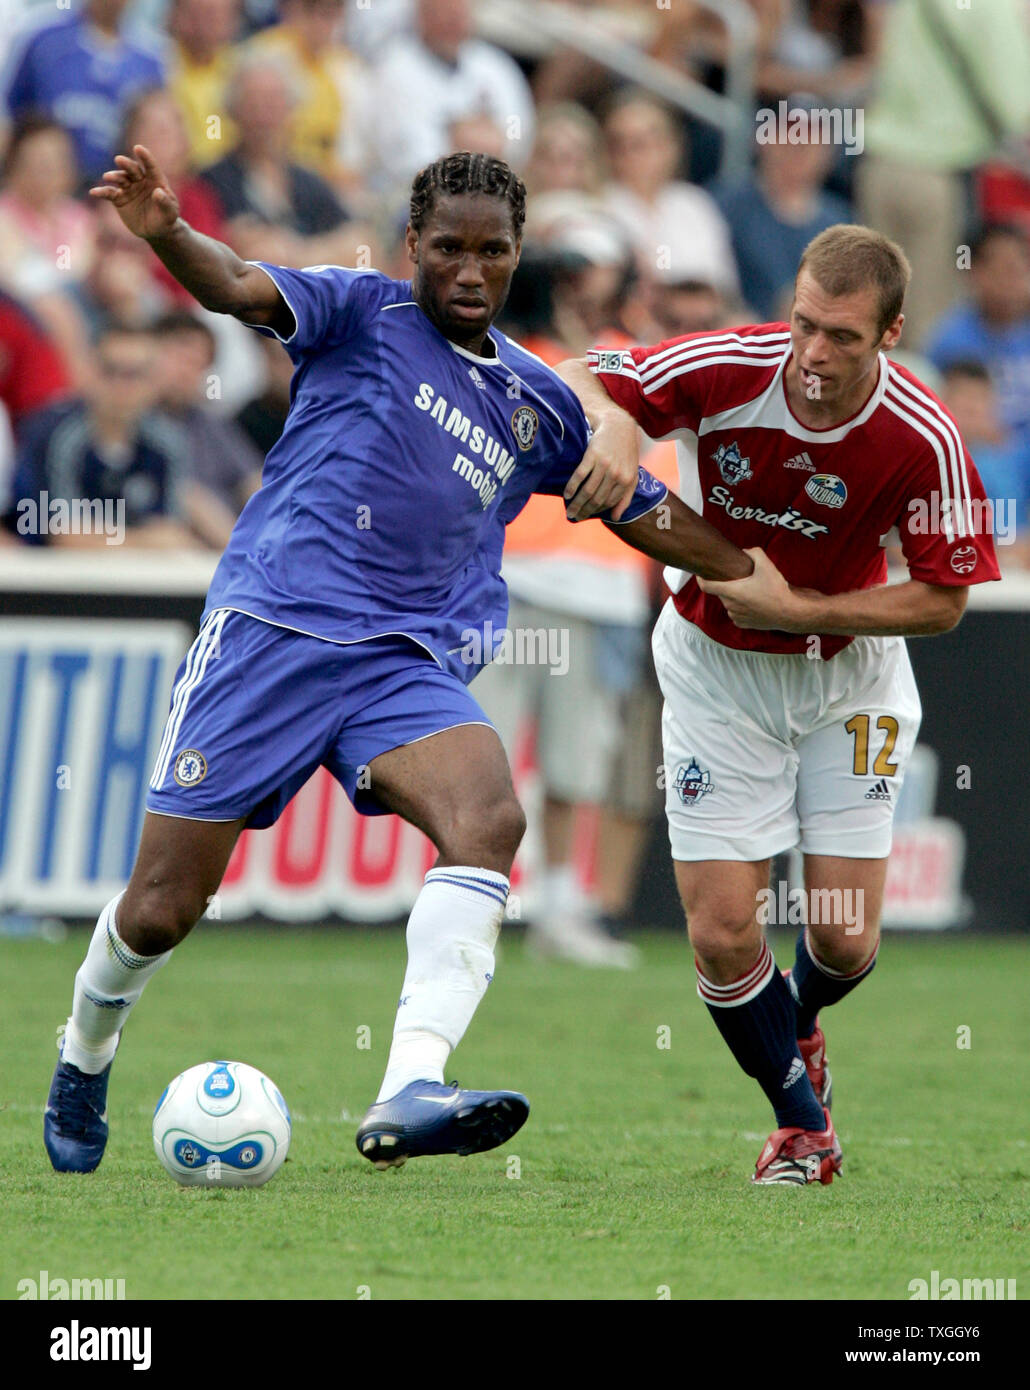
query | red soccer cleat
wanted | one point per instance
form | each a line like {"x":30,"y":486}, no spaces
{"x":799,"y":1156}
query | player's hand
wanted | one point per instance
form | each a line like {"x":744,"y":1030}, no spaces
{"x":140,"y":194}
{"x":764,"y":600}
{"x":607,"y":475}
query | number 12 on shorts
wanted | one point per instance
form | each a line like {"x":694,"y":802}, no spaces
{"x":859,"y":727}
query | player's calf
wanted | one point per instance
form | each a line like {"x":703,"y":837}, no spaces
{"x":754,"y":1012}
{"x":824,"y":972}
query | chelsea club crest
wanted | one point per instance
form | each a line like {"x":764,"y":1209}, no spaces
{"x":524,"y":425}
{"x":733,"y":468}
{"x":190,"y":768}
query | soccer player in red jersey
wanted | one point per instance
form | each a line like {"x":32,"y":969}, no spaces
{"x":790,"y":706}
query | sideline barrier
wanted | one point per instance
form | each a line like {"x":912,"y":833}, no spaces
{"x":89,"y":644}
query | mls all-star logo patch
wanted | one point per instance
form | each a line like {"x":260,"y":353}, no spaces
{"x":733,"y":468}
{"x":190,"y":768}
{"x":693,"y":782}
{"x":524,"y":425}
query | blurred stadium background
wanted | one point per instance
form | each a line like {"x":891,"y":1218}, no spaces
{"x":292,"y":131}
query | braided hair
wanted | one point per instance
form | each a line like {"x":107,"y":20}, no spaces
{"x":467,"y":173}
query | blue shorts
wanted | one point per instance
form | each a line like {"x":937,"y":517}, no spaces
{"x":257,"y":708}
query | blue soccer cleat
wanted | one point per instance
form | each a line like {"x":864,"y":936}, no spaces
{"x":427,"y":1117}
{"x":75,"y":1118}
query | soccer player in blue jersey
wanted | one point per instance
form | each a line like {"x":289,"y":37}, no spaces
{"x":337,"y":626}
{"x":81,"y":67}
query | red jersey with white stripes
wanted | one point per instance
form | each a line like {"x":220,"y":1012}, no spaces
{"x":819,"y":501}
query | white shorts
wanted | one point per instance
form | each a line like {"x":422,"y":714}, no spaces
{"x":764,"y":752}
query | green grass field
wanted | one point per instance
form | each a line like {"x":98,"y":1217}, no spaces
{"x":633,"y":1167}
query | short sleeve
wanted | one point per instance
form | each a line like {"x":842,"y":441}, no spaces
{"x":649,"y":491}
{"x":329,"y":303}
{"x":651,"y":385}
{"x":947,"y":526}
{"x":648,"y":494}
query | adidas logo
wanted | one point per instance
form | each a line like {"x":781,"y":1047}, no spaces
{"x":800,"y":461}
{"x":881,"y":792}
{"x":796,"y":1072}
{"x":475,"y":375}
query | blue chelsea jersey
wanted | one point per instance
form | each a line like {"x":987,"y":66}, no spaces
{"x":383,"y":506}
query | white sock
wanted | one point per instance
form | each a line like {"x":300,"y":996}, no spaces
{"x":108,"y":983}
{"x":452,"y":931}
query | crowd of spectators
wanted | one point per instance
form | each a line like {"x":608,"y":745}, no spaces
{"x":291,"y":130}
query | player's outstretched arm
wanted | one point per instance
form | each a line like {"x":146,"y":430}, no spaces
{"x":674,"y":534}
{"x":210,"y":270}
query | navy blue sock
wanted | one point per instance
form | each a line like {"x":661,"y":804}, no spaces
{"x":755,"y":1015}
{"x":815,"y":985}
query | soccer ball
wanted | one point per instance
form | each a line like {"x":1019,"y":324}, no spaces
{"x":221,"y":1124}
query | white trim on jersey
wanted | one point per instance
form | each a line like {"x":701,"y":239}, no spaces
{"x":267,"y":328}
{"x":498,"y":361}
{"x":769,"y":410}
{"x":542,"y":399}
{"x":908,"y":399}
{"x":891,"y":402}
{"x":196,"y":664}
{"x":691,"y":357}
{"x":760,"y":345}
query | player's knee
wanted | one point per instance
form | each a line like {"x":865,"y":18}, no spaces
{"x":724,"y":939}
{"x":845,"y":947}
{"x":156,"y":920}
{"x":509,"y":827}
{"x":502,"y":827}
{"x":487,"y":835}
